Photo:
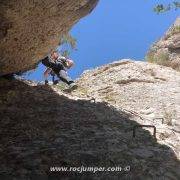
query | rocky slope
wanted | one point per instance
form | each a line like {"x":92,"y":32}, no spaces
{"x":167,"y":50}
{"x":147,"y":90}
{"x":30,"y":29}
{"x":41,"y":126}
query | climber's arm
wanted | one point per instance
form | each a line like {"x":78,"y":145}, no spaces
{"x":69,"y":63}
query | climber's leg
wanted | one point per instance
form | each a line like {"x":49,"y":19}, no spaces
{"x":62,"y":75}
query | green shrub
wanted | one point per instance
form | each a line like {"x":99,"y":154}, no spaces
{"x":175,"y":30}
{"x":61,"y":86}
{"x":169,"y":115}
{"x":161,"y":58}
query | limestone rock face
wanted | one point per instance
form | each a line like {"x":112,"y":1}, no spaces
{"x":92,"y":126}
{"x":145,"y":89}
{"x":30,"y":29}
{"x":167,"y":50}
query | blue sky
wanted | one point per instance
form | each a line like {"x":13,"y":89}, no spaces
{"x":116,"y":29}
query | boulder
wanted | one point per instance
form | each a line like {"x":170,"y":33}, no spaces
{"x":30,"y":29}
{"x":166,"y":51}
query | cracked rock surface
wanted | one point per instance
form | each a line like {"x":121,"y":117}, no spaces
{"x":42,"y":126}
{"x":166,"y":51}
{"x":30,"y":29}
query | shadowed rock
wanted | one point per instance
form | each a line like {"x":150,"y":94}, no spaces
{"x":147,"y":90}
{"x":41,"y":128}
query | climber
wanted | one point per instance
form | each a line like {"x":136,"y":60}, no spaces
{"x":58,"y":65}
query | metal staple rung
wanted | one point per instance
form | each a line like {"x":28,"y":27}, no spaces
{"x":161,"y":119}
{"x":93,"y":99}
{"x":138,"y":126}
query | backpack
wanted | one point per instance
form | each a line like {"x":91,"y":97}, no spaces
{"x":47,"y":62}
{"x":55,"y":66}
